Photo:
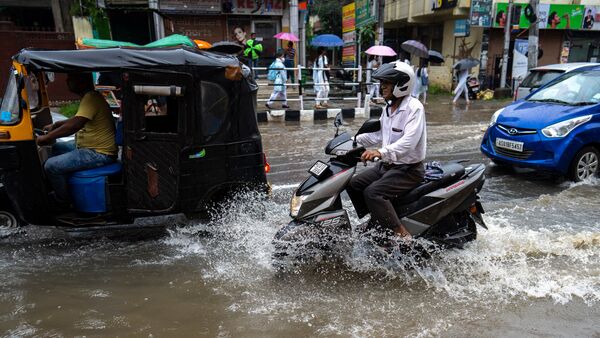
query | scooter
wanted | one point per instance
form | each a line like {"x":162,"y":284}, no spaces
{"x":444,"y":209}
{"x":472,"y":87}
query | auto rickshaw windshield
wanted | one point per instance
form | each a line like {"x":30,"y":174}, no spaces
{"x":9,"y":111}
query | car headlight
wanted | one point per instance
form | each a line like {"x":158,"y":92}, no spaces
{"x":563,"y":128}
{"x":295,"y":204}
{"x":495,"y":116}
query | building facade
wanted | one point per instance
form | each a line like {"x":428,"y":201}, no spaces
{"x":457,"y":30}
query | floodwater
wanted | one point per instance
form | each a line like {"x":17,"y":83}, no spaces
{"x":535,"y":272}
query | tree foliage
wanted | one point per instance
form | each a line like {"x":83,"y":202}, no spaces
{"x":330,"y":16}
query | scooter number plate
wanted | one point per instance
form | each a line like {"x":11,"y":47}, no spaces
{"x":318,"y":169}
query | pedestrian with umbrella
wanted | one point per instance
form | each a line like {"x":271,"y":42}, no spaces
{"x":290,"y":51}
{"x":422,"y":82}
{"x":416,"y":48}
{"x":462,"y":67}
{"x":253,"y":50}
{"x":372,"y":63}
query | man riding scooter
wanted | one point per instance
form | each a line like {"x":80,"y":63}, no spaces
{"x":403,"y":140}
{"x":95,"y":140}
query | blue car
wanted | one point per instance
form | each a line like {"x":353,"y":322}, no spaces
{"x":556,"y":128}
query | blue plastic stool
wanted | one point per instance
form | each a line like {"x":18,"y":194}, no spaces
{"x":88,"y":187}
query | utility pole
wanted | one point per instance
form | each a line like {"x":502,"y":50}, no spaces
{"x":381,"y":20}
{"x":507,"y":29}
{"x":294,"y":17}
{"x":533,"y":42}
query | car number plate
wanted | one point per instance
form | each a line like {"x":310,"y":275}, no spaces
{"x":510,"y":145}
{"x":318,"y":169}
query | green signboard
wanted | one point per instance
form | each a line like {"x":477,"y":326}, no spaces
{"x":550,"y":16}
{"x":366,"y":12}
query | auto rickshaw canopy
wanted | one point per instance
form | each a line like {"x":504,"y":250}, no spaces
{"x":110,"y":59}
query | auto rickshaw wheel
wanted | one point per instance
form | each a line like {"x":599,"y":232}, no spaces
{"x":8,"y":219}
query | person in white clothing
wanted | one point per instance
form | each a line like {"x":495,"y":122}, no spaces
{"x":320,"y":79}
{"x":373,"y":89}
{"x":461,"y":87}
{"x":422,"y":82}
{"x":403,"y":140}
{"x":279,"y":91}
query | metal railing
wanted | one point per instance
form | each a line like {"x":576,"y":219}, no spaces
{"x":302,"y":85}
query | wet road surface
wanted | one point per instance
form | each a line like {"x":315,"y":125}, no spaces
{"x":535,"y":272}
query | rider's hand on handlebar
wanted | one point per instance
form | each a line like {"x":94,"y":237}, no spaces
{"x":370,"y":155}
{"x":43,"y":140}
{"x":49,"y":127}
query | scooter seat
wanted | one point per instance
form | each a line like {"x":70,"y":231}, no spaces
{"x":451,"y":172}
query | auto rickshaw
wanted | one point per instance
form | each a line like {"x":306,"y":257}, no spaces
{"x":188,"y":137}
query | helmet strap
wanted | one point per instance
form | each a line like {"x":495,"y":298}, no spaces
{"x":390,"y":103}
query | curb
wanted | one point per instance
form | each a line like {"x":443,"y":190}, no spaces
{"x":315,"y":114}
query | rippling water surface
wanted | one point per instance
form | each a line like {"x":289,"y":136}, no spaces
{"x":534,"y":272}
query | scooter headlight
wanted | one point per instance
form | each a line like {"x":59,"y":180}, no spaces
{"x":495,"y":116}
{"x":563,"y":128}
{"x":295,"y":204}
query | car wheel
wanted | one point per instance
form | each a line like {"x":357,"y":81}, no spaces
{"x":585,"y":164}
{"x":9,"y":219}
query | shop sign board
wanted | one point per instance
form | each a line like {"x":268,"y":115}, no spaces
{"x":551,"y":16}
{"x":252,"y":7}
{"x":519,"y":66}
{"x":366,"y":12}
{"x":349,"y":35}
{"x":461,"y":27}
{"x":481,"y":13}
{"x":443,"y":4}
{"x":190,"y":6}
{"x":348,"y":18}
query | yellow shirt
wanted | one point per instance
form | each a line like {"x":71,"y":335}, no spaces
{"x":99,"y":132}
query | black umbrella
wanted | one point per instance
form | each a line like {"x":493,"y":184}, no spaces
{"x":226,"y":47}
{"x":416,"y":48}
{"x":435,"y":56}
{"x":466,"y":64}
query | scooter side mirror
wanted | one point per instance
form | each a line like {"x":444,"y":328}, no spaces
{"x":370,"y":126}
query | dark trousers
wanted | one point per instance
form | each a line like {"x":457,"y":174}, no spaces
{"x":373,"y":189}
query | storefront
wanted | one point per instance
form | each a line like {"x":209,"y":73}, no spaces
{"x":261,"y":17}
{"x":226,"y":20}
{"x":198,"y":19}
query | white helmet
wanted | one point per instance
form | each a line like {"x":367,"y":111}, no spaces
{"x":400,"y":74}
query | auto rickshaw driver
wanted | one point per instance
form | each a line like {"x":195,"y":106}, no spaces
{"x":94,"y":145}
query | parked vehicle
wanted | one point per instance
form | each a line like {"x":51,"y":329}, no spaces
{"x":444,"y":209}
{"x":472,"y":87}
{"x":539,"y":76}
{"x":201,"y":146}
{"x":556,"y":128}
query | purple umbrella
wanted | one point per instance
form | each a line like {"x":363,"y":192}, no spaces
{"x":381,"y":51}
{"x":414,"y":47}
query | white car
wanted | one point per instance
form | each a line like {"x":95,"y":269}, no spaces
{"x":539,"y":76}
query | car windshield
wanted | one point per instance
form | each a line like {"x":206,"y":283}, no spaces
{"x":574,"y":88}
{"x":538,"y":78}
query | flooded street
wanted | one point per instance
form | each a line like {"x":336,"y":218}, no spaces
{"x":535,"y":272}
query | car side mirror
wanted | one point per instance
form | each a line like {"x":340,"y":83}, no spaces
{"x":370,"y":126}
